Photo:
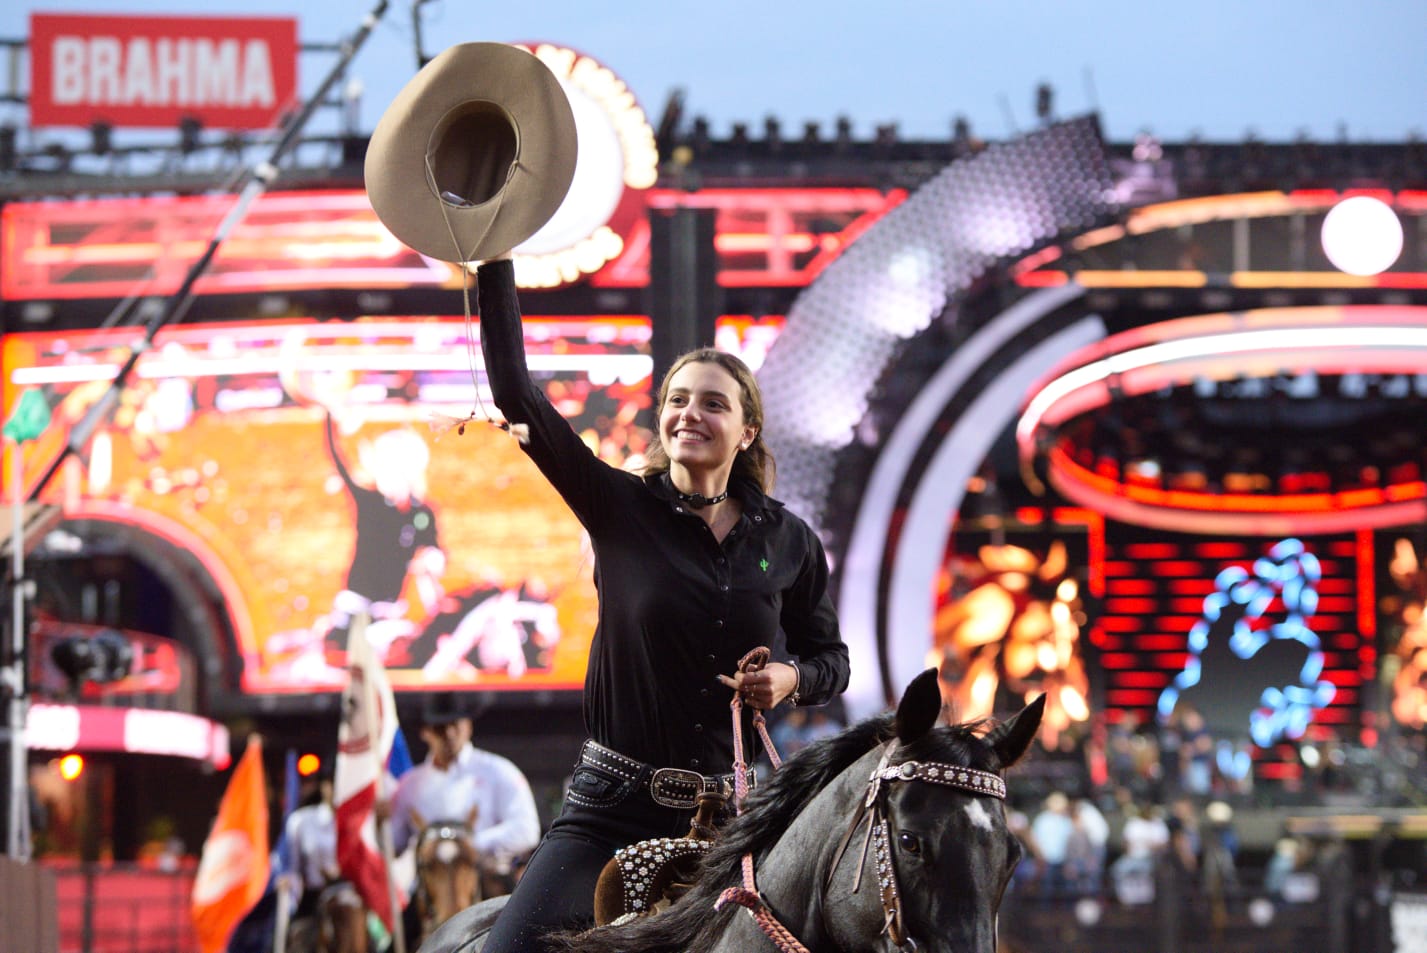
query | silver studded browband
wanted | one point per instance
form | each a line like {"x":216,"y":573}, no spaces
{"x":968,"y":779}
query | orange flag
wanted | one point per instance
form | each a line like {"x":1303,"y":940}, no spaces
{"x":234,"y":869}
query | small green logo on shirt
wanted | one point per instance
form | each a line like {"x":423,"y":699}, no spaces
{"x":763,"y":565}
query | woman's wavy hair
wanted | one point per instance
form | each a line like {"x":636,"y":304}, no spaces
{"x":756,"y":463}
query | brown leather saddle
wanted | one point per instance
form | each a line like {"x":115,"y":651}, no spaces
{"x":649,"y":875}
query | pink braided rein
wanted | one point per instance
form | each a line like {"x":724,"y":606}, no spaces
{"x":752,"y":662}
{"x":747,"y":895}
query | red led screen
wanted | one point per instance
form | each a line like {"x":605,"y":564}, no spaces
{"x":1156,"y":587}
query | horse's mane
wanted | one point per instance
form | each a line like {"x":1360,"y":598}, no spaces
{"x":691,"y":924}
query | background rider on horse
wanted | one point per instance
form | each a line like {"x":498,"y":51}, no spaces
{"x":463,"y":788}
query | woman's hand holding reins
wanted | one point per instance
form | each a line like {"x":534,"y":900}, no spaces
{"x":765,"y":688}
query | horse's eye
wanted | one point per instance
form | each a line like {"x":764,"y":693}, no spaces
{"x":909,"y":842}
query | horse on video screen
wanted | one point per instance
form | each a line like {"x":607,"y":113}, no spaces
{"x":890,"y":834}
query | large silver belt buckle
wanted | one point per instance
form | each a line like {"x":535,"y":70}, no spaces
{"x":676,"y":787}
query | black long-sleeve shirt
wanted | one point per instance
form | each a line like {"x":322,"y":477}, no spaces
{"x":677,"y":608}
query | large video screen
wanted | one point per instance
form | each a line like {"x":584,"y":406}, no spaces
{"x":1271,"y":640}
{"x":318,"y":472}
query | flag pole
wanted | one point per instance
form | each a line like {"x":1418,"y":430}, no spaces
{"x":398,"y":927}
{"x":18,"y":816}
{"x":283,"y":916}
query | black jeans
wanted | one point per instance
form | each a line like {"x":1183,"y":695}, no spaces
{"x":602,"y":814}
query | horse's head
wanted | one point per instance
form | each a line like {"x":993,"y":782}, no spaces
{"x":448,"y":871}
{"x":342,"y":920}
{"x":931,"y":831}
{"x":888,"y":834}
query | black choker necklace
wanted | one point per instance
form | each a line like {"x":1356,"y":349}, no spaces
{"x":698,"y":501}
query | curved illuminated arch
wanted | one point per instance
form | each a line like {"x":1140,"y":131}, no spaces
{"x":890,"y":581}
{"x":860,"y":606}
{"x":845,"y":331}
{"x":139,"y":522}
{"x":1330,"y":340}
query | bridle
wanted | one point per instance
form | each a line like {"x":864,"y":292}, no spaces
{"x":874,"y":807}
{"x":444,"y":844}
{"x":874,"y":810}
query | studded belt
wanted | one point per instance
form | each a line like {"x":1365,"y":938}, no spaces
{"x":671,"y":787}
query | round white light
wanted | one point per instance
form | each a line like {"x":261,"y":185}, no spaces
{"x":1362,"y":236}
{"x":1088,"y":911}
{"x":1261,"y":911}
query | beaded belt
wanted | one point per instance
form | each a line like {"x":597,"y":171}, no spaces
{"x":671,"y":787}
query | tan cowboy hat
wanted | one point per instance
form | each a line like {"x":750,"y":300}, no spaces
{"x":474,"y":154}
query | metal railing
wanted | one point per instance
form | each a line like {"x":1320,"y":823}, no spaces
{"x":1335,"y":910}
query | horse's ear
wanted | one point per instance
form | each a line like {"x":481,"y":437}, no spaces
{"x":1012,"y":737}
{"x":919,"y":708}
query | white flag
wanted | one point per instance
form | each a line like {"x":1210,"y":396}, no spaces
{"x":364,"y":741}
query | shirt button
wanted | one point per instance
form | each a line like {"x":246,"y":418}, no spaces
{"x":718,"y":623}
{"x":723,"y":587}
{"x":698,"y":727}
{"x":713,"y":658}
{"x":722,"y":561}
{"x":693,"y":762}
{"x":704,"y":692}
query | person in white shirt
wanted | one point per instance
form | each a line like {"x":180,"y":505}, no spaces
{"x":1050,"y":834}
{"x":463,"y":784}
{"x":1145,"y":834}
{"x":312,"y":839}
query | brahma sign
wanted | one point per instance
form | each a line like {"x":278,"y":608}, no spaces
{"x":228,"y":73}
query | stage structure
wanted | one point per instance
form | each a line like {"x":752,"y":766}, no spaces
{"x":1057,"y":373}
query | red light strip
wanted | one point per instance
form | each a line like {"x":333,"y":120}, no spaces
{"x":130,"y":730}
{"x":1239,"y":502}
{"x":324,"y":239}
{"x":1367,"y":591}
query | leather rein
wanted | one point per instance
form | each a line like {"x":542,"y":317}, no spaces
{"x":873,"y":809}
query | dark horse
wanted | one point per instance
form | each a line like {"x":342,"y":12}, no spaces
{"x":890,"y":834}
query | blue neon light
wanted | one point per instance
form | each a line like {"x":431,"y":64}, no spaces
{"x":1289,"y":573}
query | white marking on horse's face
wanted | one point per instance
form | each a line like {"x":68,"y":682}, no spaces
{"x":980,"y":817}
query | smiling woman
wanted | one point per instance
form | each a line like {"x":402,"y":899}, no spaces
{"x":697,"y":566}
{"x":709,"y":402}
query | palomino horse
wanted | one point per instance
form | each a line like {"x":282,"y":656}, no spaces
{"x":452,"y":874}
{"x":448,"y":871}
{"x":337,"y":923}
{"x":890,"y":834}
{"x":341,"y":920}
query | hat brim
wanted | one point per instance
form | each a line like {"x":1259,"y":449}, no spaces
{"x":442,"y":117}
